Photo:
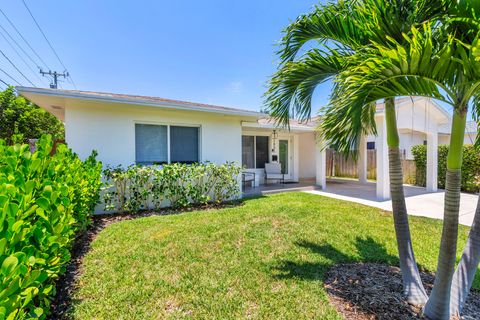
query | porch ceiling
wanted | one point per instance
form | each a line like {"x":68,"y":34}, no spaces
{"x":263,"y":127}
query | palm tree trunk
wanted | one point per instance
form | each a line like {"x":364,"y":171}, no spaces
{"x":465,"y":273}
{"x":438,"y":305}
{"x":412,"y":284}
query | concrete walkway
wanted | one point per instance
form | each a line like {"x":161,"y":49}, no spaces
{"x":419,"y":201}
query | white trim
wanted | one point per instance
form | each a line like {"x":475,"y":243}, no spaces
{"x":169,"y":157}
{"x":247,"y":124}
{"x":138,"y":101}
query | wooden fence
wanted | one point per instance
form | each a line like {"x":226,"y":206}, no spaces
{"x":341,"y":166}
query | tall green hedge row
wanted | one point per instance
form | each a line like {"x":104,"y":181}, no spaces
{"x":44,"y":201}
{"x":470,"y":168}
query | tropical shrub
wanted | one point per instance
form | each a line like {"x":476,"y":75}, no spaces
{"x":470,"y":166}
{"x":178,"y":185}
{"x":44,"y":201}
{"x":21,"y":120}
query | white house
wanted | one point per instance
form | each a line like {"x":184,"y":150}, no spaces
{"x":416,"y":118}
{"x":129,"y":129}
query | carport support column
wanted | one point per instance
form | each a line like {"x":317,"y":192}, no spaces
{"x":362,"y":160}
{"x":432,"y":161}
{"x":383,"y":177}
{"x":296,"y":158}
{"x":320,"y":164}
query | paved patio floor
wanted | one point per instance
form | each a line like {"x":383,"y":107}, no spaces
{"x":419,"y":201}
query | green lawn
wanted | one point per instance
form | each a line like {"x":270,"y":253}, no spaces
{"x":263,"y":260}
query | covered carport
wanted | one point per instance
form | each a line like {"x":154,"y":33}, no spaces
{"x":417,"y":115}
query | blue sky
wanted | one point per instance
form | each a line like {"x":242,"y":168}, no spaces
{"x":211,"y":51}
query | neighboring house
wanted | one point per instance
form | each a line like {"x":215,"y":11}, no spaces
{"x":129,"y":129}
{"x":417,"y":117}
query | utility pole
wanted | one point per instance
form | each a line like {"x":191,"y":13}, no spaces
{"x":54,"y":75}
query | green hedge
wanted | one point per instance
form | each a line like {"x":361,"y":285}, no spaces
{"x":470,"y":168}
{"x":44,"y":201}
{"x":177,"y":185}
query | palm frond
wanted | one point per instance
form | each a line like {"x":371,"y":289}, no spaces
{"x":291,"y":88}
{"x":331,"y":22}
{"x":343,"y":125}
{"x":418,"y":68}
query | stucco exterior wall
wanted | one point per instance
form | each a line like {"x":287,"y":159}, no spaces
{"x":408,"y":140}
{"x":469,"y":138}
{"x":307,"y":164}
{"x":110,"y":129}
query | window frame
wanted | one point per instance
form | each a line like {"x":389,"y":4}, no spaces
{"x":168,"y":125}
{"x":269,"y":151}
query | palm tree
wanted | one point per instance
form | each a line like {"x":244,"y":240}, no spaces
{"x":453,"y":66}
{"x":345,"y":30}
{"x":467,"y":267}
{"x":420,"y":66}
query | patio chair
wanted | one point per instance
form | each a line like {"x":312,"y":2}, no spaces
{"x":273,"y":171}
{"x":248,"y":176}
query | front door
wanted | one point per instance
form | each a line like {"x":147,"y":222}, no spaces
{"x":284,"y":157}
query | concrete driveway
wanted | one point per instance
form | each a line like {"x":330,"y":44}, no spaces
{"x":419,"y":201}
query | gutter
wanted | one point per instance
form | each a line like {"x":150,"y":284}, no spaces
{"x":93,"y":97}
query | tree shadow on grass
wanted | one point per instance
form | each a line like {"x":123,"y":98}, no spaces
{"x":368,"y":250}
{"x":360,"y":283}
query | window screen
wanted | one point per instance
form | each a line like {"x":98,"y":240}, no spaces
{"x":150,"y":144}
{"x":370,"y":145}
{"x":184,"y":144}
{"x":248,"y":152}
{"x":261,"y":148}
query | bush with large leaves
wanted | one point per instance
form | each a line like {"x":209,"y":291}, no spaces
{"x":21,"y":120}
{"x":45,"y":201}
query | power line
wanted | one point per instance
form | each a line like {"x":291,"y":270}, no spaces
{"x":48,"y":41}
{"x":19,"y":55}
{"x":10,"y":76}
{"x":18,"y":70}
{"x":4,"y":83}
{"x":44,"y":36}
{"x":23,"y":38}
{"x":19,"y":46}
{"x":55,"y":75}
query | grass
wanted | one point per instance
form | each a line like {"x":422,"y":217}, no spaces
{"x":263,"y":260}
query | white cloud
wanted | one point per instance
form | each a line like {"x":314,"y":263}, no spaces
{"x":235,"y":86}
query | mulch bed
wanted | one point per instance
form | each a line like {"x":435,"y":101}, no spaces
{"x":66,"y":284}
{"x":366,"y":291}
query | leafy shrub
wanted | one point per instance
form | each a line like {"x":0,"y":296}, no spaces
{"x":176,"y":185}
{"x":470,"y":167}
{"x":44,"y":201}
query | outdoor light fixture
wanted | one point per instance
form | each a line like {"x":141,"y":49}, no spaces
{"x":274,"y":138}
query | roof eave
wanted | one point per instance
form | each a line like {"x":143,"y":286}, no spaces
{"x":73,"y":95}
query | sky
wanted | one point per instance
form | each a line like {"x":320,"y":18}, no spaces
{"x":210,"y":51}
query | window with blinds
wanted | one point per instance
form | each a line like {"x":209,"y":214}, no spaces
{"x":151,"y":144}
{"x":184,"y":144}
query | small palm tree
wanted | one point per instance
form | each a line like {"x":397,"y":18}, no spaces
{"x":373,"y":51}
{"x":345,"y":31}
{"x":451,"y":72}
